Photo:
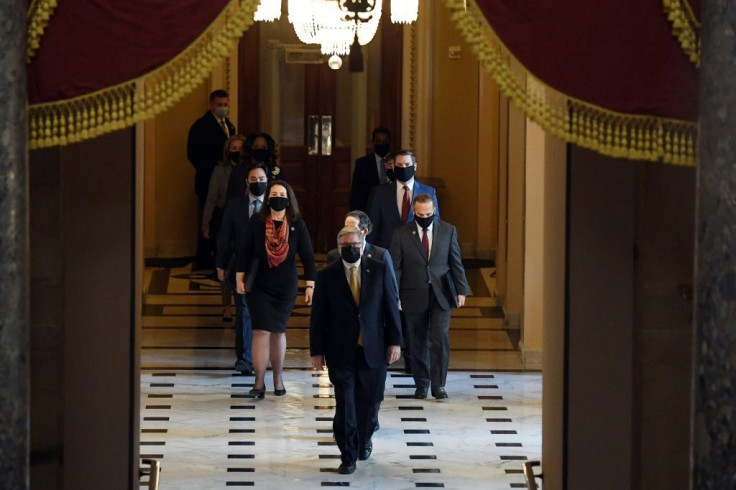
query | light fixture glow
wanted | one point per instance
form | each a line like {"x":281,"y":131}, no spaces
{"x":268,"y":11}
{"x":404,"y":11}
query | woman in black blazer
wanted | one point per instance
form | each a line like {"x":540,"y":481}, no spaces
{"x":267,"y":272}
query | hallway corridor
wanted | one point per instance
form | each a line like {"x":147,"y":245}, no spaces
{"x":196,"y":420}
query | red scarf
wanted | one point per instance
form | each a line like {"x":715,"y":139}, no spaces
{"x":277,"y":242}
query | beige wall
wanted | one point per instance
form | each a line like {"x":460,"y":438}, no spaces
{"x":454,"y":143}
{"x":544,"y":242}
{"x":170,"y":202}
{"x":486,"y":240}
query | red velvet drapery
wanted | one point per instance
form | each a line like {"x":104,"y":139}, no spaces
{"x":616,"y":54}
{"x":90,"y":45}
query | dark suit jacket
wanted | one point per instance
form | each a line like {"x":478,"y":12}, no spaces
{"x":413,"y":271}
{"x":384,"y":212}
{"x":204,"y":149}
{"x":365,"y":177}
{"x":336,"y":320}
{"x":233,"y":231}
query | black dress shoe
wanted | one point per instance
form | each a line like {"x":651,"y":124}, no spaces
{"x":420,"y":393}
{"x":365,"y":451}
{"x":257,"y":393}
{"x":280,"y":392}
{"x":439,"y":393}
{"x":346,"y":468}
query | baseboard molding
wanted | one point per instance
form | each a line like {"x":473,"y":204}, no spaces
{"x":531,"y":358}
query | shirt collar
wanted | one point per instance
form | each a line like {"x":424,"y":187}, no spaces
{"x":429,"y":228}
{"x":348,"y":265}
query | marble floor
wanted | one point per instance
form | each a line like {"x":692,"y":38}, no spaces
{"x":196,"y":419}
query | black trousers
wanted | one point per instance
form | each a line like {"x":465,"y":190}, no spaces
{"x":358,"y":393}
{"x":429,"y":337}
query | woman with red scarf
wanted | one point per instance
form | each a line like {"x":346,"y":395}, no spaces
{"x":266,"y":271}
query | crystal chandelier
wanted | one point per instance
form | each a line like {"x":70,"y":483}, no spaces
{"x":338,"y":26}
{"x":268,"y":11}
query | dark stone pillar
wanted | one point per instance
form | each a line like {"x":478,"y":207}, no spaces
{"x":14,"y":421}
{"x":714,"y":416}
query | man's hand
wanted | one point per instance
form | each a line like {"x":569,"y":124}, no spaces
{"x":318,"y":362}
{"x":220,"y":274}
{"x":460,"y":300}
{"x":206,"y":234}
{"x":393,"y":352}
{"x":240,"y":282}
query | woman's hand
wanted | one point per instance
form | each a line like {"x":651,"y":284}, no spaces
{"x":240,"y":282}
{"x":308,"y":292}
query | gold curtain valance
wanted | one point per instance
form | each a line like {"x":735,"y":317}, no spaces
{"x":123,"y":105}
{"x":685,"y":27}
{"x":39,"y":13}
{"x":637,"y":137}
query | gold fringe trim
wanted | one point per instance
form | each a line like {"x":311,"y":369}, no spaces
{"x":574,"y":121}
{"x":39,"y":13}
{"x":77,"y":119}
{"x":685,"y":27}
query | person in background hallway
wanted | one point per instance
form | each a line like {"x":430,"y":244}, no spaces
{"x":214,"y":206}
{"x":361,"y":221}
{"x":432,"y":281}
{"x":389,"y":208}
{"x":370,"y":170}
{"x":267,"y":271}
{"x":258,"y":148}
{"x":390,"y":175}
{"x":354,"y":329}
{"x":207,"y":137}
{"x":232,"y":237}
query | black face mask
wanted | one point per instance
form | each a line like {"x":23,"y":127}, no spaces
{"x":261,"y":154}
{"x":350,"y":254}
{"x":257,"y":188}
{"x":424,"y":222}
{"x":235,"y":156}
{"x":390,"y":174}
{"x":404,"y":174}
{"x":278,"y":203}
{"x":381,"y":149}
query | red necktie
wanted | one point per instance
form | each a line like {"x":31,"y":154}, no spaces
{"x":405,"y":206}
{"x":425,"y":243}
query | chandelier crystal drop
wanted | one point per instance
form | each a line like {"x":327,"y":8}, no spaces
{"x":268,"y":11}
{"x":404,"y":11}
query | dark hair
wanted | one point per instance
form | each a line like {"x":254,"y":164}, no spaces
{"x":422,"y":198}
{"x":217,"y":94}
{"x":292,"y":212}
{"x":226,"y":147}
{"x":408,"y":153}
{"x":248,"y":148}
{"x":364,"y":222}
{"x":254,"y":166}
{"x":381,"y":130}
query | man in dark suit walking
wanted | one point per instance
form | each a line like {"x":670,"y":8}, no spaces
{"x":370,"y":170}
{"x":230,"y":240}
{"x":389,"y":208}
{"x":389,"y":205}
{"x":205,"y":143}
{"x":361,"y":221}
{"x":432,"y":281}
{"x":354,"y":329}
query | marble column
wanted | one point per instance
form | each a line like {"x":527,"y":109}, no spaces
{"x":714,"y":410}
{"x":14,"y":318}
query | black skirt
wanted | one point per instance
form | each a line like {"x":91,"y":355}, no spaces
{"x":268,"y":312}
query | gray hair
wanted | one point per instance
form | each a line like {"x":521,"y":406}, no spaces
{"x":346,"y":230}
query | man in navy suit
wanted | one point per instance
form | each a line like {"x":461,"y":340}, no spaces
{"x":354,"y":329}
{"x":389,"y":205}
{"x":370,"y":170}
{"x":230,"y":239}
{"x":389,"y":208}
{"x":432,"y":281}
{"x":205,"y":143}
